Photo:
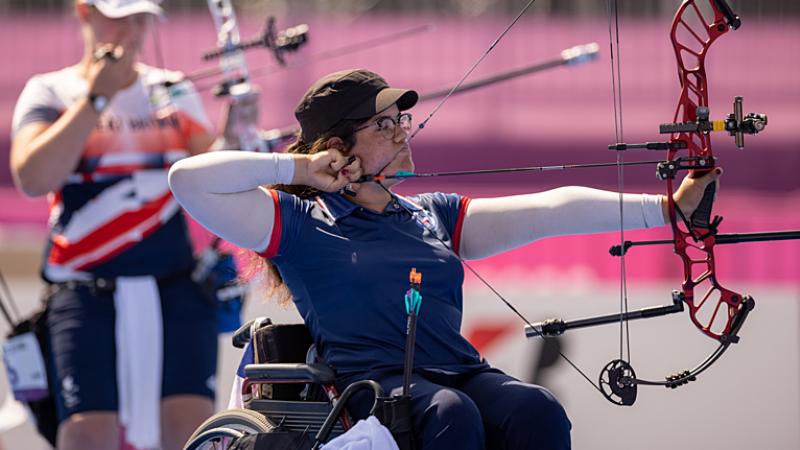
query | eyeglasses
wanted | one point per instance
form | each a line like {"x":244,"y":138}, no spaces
{"x":387,"y":126}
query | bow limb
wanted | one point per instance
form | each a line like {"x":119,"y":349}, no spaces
{"x":619,"y":382}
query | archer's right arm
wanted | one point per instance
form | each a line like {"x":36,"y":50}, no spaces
{"x":224,"y":191}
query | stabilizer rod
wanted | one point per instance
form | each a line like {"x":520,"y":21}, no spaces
{"x":732,"y":238}
{"x":556,"y":327}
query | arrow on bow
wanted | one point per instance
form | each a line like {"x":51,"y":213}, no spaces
{"x":401,"y":174}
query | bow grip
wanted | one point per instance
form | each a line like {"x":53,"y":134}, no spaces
{"x":701,"y":217}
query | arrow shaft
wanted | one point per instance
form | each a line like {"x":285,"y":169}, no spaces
{"x":507,"y":170}
{"x":587,"y":52}
{"x":538,"y":67}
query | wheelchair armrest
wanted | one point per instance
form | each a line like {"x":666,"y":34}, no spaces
{"x":307,"y":373}
{"x":243,"y":335}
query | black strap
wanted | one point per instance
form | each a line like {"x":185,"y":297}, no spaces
{"x":109,"y":284}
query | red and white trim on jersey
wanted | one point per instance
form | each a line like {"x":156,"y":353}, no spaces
{"x":462,"y":212}
{"x":325,"y":209}
{"x":277,"y":225}
{"x":113,"y":221}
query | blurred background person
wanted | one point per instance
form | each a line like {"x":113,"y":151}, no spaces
{"x":133,"y":338}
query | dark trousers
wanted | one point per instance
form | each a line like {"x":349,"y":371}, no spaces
{"x":486,"y":409}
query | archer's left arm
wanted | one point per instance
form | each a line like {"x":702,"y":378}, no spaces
{"x":496,"y":225}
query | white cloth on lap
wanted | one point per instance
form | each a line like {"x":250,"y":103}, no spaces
{"x":368,"y":434}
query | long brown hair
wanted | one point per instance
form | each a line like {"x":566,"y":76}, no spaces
{"x":273,"y":282}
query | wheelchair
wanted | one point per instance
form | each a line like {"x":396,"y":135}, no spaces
{"x":289,"y":391}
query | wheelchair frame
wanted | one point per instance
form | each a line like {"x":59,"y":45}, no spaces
{"x":322,"y":419}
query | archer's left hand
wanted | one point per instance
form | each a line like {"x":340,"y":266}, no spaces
{"x":690,"y":193}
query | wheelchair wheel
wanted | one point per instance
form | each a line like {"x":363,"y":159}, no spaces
{"x":219,"y":430}
{"x":213,"y":439}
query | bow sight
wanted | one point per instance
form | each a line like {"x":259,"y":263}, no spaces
{"x":280,"y":42}
{"x":736,"y":124}
{"x":288,"y":40}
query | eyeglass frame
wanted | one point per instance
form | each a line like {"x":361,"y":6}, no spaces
{"x":395,"y":122}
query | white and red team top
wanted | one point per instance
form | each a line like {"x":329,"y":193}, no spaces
{"x":115,"y":214}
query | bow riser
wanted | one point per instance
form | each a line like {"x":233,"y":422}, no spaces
{"x":236,"y":81}
{"x":714,"y":312}
{"x":692,"y":35}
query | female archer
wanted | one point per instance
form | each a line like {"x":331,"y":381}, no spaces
{"x":343,"y":251}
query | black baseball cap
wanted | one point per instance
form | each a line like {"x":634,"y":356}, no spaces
{"x":347,"y":94}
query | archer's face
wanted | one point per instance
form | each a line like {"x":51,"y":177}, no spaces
{"x":129,"y":32}
{"x":381,"y":153}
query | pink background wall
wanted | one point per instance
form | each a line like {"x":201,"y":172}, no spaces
{"x":561,"y":116}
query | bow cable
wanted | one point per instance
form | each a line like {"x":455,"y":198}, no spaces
{"x":612,"y":8}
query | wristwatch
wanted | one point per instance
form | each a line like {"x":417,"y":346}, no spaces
{"x":98,"y":102}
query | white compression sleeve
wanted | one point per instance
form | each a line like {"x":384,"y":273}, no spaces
{"x":221,"y":190}
{"x":495,"y":225}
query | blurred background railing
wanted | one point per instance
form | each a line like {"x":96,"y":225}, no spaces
{"x":459,"y":7}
